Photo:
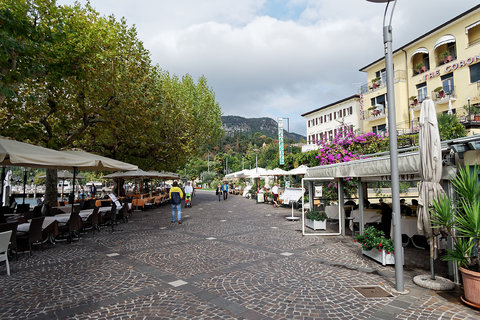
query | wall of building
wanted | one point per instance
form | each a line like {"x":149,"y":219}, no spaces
{"x":325,"y":123}
{"x":408,"y":77}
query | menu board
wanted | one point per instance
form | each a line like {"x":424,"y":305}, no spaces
{"x":115,"y":200}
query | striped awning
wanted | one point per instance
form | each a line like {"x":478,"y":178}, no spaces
{"x":444,"y":40}
{"x":420,"y":50}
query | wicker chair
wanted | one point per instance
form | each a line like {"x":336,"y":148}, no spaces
{"x":34,"y":234}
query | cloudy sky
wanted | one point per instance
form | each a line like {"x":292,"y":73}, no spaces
{"x":274,"y":58}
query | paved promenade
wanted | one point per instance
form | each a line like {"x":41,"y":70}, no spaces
{"x":228,"y":260}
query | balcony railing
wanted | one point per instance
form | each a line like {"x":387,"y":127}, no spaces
{"x":399,"y":75}
{"x":444,"y":95}
{"x":373,"y":115}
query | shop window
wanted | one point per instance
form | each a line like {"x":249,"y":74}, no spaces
{"x":474,"y":73}
{"x":421,"y":91}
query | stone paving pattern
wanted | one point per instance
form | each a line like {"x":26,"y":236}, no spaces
{"x":231,"y":259}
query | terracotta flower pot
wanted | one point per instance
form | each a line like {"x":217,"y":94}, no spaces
{"x":471,"y":285}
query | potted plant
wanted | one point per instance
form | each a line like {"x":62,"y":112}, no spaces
{"x":376,"y":246}
{"x":375,"y":82}
{"x":461,"y":220}
{"x":414,"y":100}
{"x":440,"y":92}
{"x":420,"y":67}
{"x":445,"y":56}
{"x":315,"y":219}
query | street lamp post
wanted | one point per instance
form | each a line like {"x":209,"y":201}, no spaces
{"x":392,"y":134}
{"x":469,"y":115}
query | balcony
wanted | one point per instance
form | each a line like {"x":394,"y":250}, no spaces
{"x":373,"y":115}
{"x":399,"y":75}
{"x":443,"y":95}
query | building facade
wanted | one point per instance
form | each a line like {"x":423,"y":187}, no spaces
{"x":328,"y":121}
{"x":443,"y":64}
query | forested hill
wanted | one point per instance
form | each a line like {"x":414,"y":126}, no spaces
{"x":266,"y":126}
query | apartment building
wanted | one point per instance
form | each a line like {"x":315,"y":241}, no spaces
{"x":327,"y":121}
{"x":443,"y":63}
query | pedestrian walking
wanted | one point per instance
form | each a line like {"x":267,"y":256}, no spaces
{"x":275,"y":195}
{"x":225,"y":191}
{"x":188,"y":194}
{"x":218,"y":192}
{"x":176,"y":196}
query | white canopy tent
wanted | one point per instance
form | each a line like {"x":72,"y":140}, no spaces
{"x":371,"y":169}
{"x":275,"y":172}
{"x":408,"y":164}
{"x":302,"y":170}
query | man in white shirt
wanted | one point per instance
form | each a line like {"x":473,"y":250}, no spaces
{"x":275,"y":195}
{"x":188,"y":188}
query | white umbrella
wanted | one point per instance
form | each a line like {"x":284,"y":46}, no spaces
{"x":275,"y":172}
{"x":21,"y":154}
{"x":302,"y":170}
{"x":450,"y":108}
{"x":100,"y":163}
{"x":429,"y":187}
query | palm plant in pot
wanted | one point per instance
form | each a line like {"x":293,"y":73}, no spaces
{"x":461,"y":220}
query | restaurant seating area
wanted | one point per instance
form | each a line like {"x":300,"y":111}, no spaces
{"x":42,"y":226}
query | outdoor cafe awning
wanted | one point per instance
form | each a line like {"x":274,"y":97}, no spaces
{"x":21,"y":154}
{"x":408,"y":164}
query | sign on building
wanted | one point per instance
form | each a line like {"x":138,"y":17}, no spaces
{"x":281,"y":156}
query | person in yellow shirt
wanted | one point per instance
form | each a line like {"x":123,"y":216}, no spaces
{"x":176,"y":196}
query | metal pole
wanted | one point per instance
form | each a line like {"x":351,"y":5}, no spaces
{"x":208,"y":160}
{"x":24,"y":184}
{"x":3,"y":186}
{"x":392,"y":134}
{"x":469,"y":115}
{"x":360,"y":206}
{"x":341,"y":202}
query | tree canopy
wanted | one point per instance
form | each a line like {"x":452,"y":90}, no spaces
{"x":73,"y":78}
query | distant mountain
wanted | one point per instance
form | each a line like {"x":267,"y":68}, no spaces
{"x":266,"y":126}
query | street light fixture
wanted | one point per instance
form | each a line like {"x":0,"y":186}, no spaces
{"x":256,"y":159}
{"x":392,"y":134}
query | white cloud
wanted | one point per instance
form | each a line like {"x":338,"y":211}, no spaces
{"x":258,"y":62}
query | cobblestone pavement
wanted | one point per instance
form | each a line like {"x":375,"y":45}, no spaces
{"x":232,"y":259}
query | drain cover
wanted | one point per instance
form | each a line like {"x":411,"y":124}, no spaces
{"x":373,"y":292}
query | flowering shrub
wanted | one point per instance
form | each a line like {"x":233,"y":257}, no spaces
{"x":346,"y":147}
{"x":374,"y":239}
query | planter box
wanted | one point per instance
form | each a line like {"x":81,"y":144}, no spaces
{"x":380,"y":256}
{"x":316,"y":225}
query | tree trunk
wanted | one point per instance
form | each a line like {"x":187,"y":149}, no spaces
{"x":51,"y":192}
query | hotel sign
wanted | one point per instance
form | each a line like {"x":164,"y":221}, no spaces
{"x":280,"y":142}
{"x":452,"y":67}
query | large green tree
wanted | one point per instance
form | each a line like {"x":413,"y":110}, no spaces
{"x":72,"y":78}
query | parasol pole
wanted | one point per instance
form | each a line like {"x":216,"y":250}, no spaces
{"x":432,"y":256}
{"x":24,"y":183}
{"x":3,"y":186}
{"x":74,"y":176}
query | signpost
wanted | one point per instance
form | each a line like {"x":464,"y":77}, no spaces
{"x":281,"y":157}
